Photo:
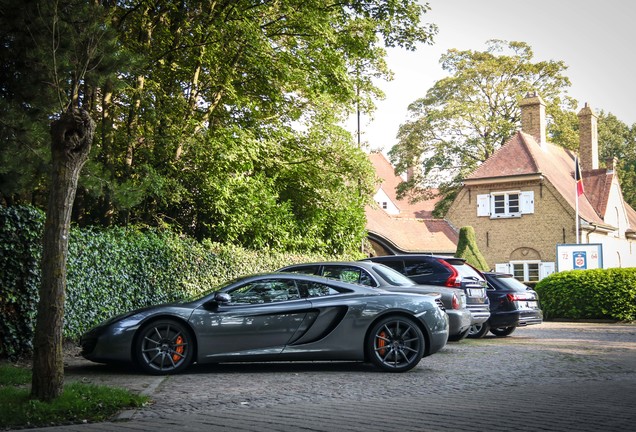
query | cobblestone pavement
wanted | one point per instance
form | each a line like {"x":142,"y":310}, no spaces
{"x":548,"y":377}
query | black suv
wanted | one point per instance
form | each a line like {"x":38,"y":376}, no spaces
{"x":444,"y":271}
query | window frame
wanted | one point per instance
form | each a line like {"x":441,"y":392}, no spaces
{"x":507,"y":213}
{"x":486,"y":204}
{"x":526,"y":270}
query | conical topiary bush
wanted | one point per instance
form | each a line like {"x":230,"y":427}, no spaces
{"x":467,"y":249}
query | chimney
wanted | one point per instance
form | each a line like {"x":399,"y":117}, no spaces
{"x":533,"y":117}
{"x":588,"y":138}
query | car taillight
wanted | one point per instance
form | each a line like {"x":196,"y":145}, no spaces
{"x":452,"y":279}
{"x":455,"y":304}
{"x":515,"y":297}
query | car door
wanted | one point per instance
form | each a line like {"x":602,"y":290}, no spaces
{"x":261,"y":317}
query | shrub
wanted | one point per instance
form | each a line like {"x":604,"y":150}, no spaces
{"x":590,"y":294}
{"x":113,"y":271}
{"x":20,"y":249}
{"x":467,"y":248}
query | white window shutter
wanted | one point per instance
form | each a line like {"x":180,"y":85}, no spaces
{"x":527,"y":202}
{"x":545,"y":269}
{"x":483,"y":205}
{"x":503,"y":268}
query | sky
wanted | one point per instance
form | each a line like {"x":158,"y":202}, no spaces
{"x":594,"y":38}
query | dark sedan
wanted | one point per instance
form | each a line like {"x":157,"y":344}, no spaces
{"x":380,"y":276}
{"x":276,"y":317}
{"x":512,"y":305}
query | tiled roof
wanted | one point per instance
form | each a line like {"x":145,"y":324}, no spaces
{"x":389,"y":182}
{"x":414,"y":229}
{"x":413,"y":234}
{"x":597,"y":184}
{"x":513,"y":158}
{"x":523,"y":155}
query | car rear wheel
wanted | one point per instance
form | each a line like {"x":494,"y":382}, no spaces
{"x":502,"y":331}
{"x":164,"y":347}
{"x":478,"y":331}
{"x":395,"y":344}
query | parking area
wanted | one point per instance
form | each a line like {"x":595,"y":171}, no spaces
{"x":552,"y":377}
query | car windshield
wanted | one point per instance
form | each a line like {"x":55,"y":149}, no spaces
{"x":511,"y":283}
{"x":393,"y":277}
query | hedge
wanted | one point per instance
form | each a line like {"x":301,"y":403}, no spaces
{"x":589,"y":294}
{"x":112,"y":271}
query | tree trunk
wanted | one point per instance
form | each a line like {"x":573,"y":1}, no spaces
{"x":71,"y":139}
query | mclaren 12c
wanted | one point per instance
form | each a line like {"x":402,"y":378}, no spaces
{"x":276,"y":317}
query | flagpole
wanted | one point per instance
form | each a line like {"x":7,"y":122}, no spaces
{"x":576,"y":194}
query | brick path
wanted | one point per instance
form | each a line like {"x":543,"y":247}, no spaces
{"x":551,"y":377}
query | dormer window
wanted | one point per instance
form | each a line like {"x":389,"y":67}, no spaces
{"x":505,"y":204}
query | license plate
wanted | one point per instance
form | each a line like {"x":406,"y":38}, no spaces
{"x":475,"y":292}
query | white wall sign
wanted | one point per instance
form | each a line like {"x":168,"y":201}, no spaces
{"x":579,"y":256}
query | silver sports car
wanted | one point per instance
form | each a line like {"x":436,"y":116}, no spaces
{"x":272,"y":317}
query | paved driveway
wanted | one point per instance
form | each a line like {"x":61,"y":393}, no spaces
{"x":550,"y":377}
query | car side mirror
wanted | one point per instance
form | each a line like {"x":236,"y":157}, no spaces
{"x":222,"y":298}
{"x":218,"y":299}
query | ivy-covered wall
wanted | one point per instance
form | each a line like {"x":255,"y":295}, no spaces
{"x":112,"y":271}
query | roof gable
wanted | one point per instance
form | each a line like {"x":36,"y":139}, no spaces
{"x":389,"y":182}
{"x":522,"y":155}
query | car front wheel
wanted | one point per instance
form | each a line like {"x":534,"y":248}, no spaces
{"x":395,"y":344}
{"x":502,"y":331}
{"x":478,"y":331}
{"x":164,"y":347}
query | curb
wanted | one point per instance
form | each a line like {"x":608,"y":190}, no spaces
{"x":148,"y":391}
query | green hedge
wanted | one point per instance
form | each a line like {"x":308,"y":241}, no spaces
{"x":590,"y":294}
{"x":112,"y":271}
{"x":20,"y":249}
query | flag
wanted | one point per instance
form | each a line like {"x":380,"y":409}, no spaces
{"x":578,"y":178}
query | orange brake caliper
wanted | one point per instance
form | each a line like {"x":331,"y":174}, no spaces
{"x":381,"y":343}
{"x":179,"y":349}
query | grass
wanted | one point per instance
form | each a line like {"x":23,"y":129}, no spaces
{"x":79,"y":402}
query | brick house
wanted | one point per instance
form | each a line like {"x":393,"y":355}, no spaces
{"x":397,"y":226}
{"x":522,"y":200}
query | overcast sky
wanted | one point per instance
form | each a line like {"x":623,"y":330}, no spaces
{"x":594,"y":38}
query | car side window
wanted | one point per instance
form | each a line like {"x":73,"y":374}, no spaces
{"x":265,"y":291}
{"x":345,"y":274}
{"x":311,"y":270}
{"x":395,"y":265}
{"x":418,"y":268}
{"x":315,"y":289}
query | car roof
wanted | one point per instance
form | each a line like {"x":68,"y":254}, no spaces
{"x":307,"y":277}
{"x":498,"y":274}
{"x":364,"y":264}
{"x":388,"y":257}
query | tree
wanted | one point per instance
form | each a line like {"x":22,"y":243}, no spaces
{"x":465,"y":117}
{"x":219,"y":104}
{"x":617,"y":140}
{"x":467,"y":248}
{"x":71,"y":140}
{"x":60,"y":54}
